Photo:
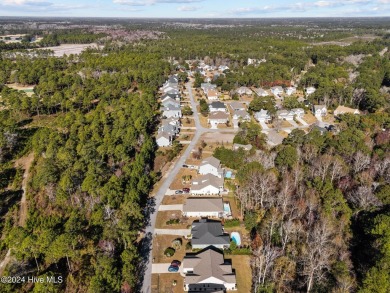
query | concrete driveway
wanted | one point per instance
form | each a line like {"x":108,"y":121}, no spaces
{"x":171,"y":207}
{"x":303,"y":122}
{"x":264,"y":126}
{"x":162,"y":268}
{"x":177,"y":232}
{"x":293,"y":123}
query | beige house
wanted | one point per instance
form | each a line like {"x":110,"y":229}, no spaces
{"x":203,"y":207}
{"x":345,"y":110}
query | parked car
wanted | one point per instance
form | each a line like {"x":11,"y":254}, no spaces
{"x":178,"y":192}
{"x":186,"y":190}
{"x":185,"y":166}
{"x":175,"y":263}
{"x":173,"y":269}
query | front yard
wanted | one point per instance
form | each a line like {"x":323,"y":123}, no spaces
{"x":163,"y":283}
{"x":164,"y":216}
{"x":162,"y":242}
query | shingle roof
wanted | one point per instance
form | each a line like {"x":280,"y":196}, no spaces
{"x":213,"y":204}
{"x":212,"y":161}
{"x":218,"y":115}
{"x":206,"y":180}
{"x":208,"y":232}
{"x":206,"y":264}
{"x":217,"y":105}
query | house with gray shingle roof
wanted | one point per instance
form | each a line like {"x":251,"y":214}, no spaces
{"x":203,"y":207}
{"x":207,"y":271}
{"x":207,"y":233}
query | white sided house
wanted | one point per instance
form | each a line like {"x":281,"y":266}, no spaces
{"x":211,"y":165}
{"x":263,"y":116}
{"x":319,"y":110}
{"x":203,"y":207}
{"x":216,"y":118}
{"x":212,"y":95}
{"x":172,"y":111}
{"x":310,"y":90}
{"x":163,"y":139}
{"x":291,"y":90}
{"x":237,"y":106}
{"x":217,"y":107}
{"x":207,"y":185}
{"x":261,"y":92}
{"x":244,"y":91}
{"x":277,"y":91}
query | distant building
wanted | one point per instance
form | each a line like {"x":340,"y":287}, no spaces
{"x":277,"y":90}
{"x":310,"y":90}
{"x":345,"y":110}
{"x":290,"y":90}
{"x":244,"y":91}
{"x":261,"y":92}
{"x":246,"y":147}
{"x":319,"y":111}
{"x":263,"y":116}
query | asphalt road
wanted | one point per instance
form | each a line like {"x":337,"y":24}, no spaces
{"x":147,"y":284}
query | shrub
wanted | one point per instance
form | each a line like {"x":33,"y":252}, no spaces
{"x":173,"y":221}
{"x":189,"y":245}
{"x":232,"y":223}
{"x":170,"y":251}
{"x":177,"y":243}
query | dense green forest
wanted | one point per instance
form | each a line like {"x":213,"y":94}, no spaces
{"x":317,"y":206}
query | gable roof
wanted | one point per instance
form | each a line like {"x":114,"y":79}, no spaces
{"x":218,"y":115}
{"x":241,"y":113}
{"x":319,"y":107}
{"x":206,"y":180}
{"x":237,"y":105}
{"x":208,"y":232}
{"x":208,"y":263}
{"x":212,"y":161}
{"x":203,"y":204}
{"x":217,"y":105}
{"x":345,"y":110}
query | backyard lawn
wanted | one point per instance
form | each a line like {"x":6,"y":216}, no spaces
{"x":241,"y":264}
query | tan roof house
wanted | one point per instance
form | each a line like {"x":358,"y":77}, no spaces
{"x":203,"y":207}
{"x":345,"y":110}
{"x":207,"y":271}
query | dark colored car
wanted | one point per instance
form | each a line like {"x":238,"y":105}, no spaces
{"x":186,"y":190}
{"x":185,"y":166}
{"x":178,"y":192}
{"x":173,"y":269}
{"x":175,"y":263}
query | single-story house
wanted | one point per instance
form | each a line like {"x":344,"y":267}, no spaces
{"x":223,"y":68}
{"x":241,"y":115}
{"x":207,"y":233}
{"x":319,"y":110}
{"x":345,"y":110}
{"x":237,"y":146}
{"x":163,"y":139}
{"x":169,"y":129}
{"x":212,"y":95}
{"x":244,"y":91}
{"x":172,"y":91}
{"x":261,"y":92}
{"x":285,"y":114}
{"x":277,"y":90}
{"x":168,"y":101}
{"x":299,"y":112}
{"x":310,"y":90}
{"x":171,"y":111}
{"x":237,"y":106}
{"x":203,"y":207}
{"x":176,"y":97}
{"x":211,"y":165}
{"x":207,"y":184}
{"x":208,"y":86}
{"x":216,"y":118}
{"x":290,"y":90}
{"x":217,"y":107}
{"x":274,"y":138}
{"x":207,"y":271}
{"x":262,"y":116}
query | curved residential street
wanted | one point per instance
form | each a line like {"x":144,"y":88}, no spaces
{"x":150,"y":230}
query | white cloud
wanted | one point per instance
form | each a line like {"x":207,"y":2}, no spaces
{"x":187,"y":8}
{"x":27,"y":3}
{"x":152,"y":2}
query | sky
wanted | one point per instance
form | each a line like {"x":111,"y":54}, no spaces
{"x":196,"y":8}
